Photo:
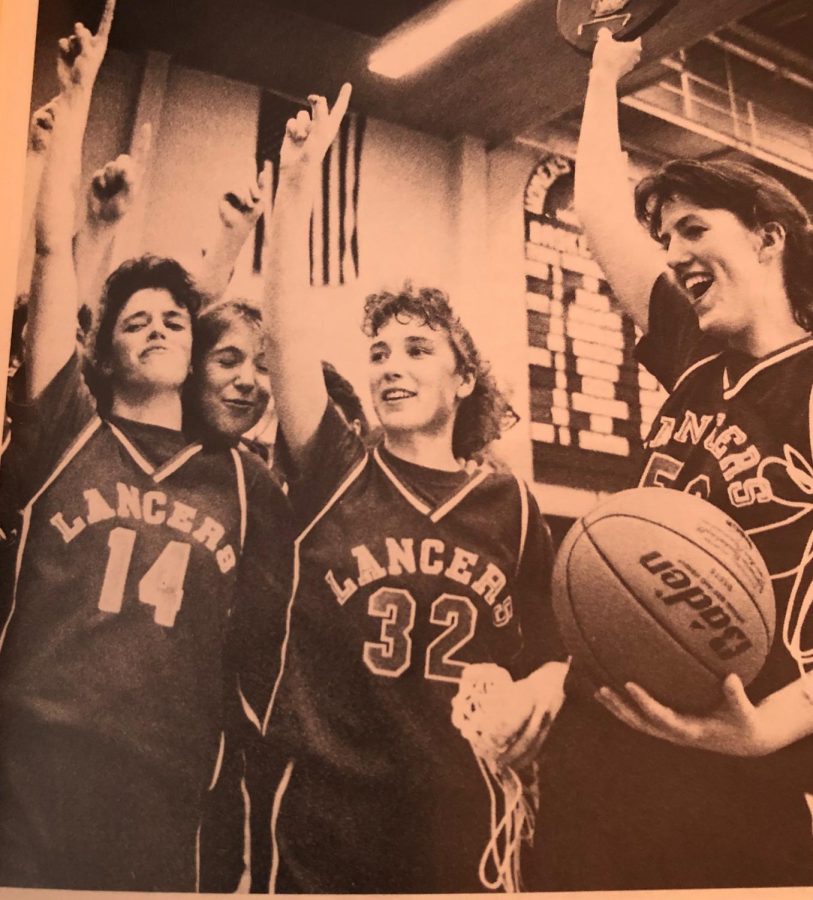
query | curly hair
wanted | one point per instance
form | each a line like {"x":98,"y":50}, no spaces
{"x":132,"y":276}
{"x":755,"y":198}
{"x":480,"y":416}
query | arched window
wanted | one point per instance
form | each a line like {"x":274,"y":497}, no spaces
{"x":591,"y":403}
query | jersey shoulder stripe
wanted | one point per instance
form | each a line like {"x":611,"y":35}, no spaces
{"x":693,"y":368}
{"x":795,"y":349}
{"x":67,"y":457}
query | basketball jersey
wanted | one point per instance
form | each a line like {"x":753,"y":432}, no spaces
{"x":394,"y":594}
{"x":621,"y":810}
{"x":736,"y":431}
{"x":112,"y":659}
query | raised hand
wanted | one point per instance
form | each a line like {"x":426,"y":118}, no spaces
{"x":308,"y":136}
{"x":41,"y":127}
{"x":240,"y":210}
{"x":614,"y":59}
{"x":114,"y":187}
{"x":81,"y":54}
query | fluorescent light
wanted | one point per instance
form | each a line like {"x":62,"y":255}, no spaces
{"x":430,"y":35}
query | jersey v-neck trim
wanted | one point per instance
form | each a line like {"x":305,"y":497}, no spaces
{"x":434,"y":512}
{"x":157,"y":472}
{"x":759,"y":365}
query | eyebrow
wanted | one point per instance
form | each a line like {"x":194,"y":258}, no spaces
{"x":681,"y":222}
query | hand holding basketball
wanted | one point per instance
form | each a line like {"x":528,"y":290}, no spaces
{"x":614,"y":59}
{"x":736,"y":727}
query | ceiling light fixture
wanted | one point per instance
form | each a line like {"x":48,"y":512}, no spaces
{"x":428,"y":35}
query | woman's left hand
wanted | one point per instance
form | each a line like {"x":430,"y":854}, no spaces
{"x":736,"y":727}
{"x":506,"y":721}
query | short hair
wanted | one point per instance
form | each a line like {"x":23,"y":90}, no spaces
{"x":143,"y":272}
{"x":481,"y":415}
{"x":210,"y":326}
{"x":342,"y":394}
{"x":216,"y":320}
{"x":754,"y":197}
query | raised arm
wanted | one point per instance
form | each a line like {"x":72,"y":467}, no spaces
{"x":293,"y":353}
{"x":237,"y":215}
{"x":631,"y":260}
{"x":52,"y":307}
{"x":39,"y":140}
{"x":110,"y":197}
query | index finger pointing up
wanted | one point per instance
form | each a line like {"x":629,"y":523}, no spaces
{"x":341,"y":104}
{"x":106,"y":21}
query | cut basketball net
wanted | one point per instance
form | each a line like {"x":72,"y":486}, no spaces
{"x":487,"y":713}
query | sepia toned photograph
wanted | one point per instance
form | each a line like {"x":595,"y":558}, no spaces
{"x":406,"y":481}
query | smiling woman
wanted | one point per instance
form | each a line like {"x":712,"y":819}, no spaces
{"x":230,"y":385}
{"x":664,"y":800}
{"x":740,"y":245}
{"x":413,"y":562}
{"x":145,"y":569}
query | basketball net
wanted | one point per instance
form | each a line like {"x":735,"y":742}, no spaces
{"x":481,"y":712}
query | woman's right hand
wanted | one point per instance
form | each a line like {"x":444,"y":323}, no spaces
{"x":614,"y":59}
{"x":308,"y":137}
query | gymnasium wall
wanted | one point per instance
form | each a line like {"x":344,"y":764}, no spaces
{"x":444,"y":213}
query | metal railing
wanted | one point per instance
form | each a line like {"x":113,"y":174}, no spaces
{"x":725,"y":113}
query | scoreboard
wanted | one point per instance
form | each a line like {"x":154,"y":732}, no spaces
{"x":591,"y":403}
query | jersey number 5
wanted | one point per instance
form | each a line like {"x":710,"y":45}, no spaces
{"x":392,"y":654}
{"x":161,"y":586}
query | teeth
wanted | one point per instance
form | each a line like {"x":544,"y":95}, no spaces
{"x":396,"y":395}
{"x":697,"y":284}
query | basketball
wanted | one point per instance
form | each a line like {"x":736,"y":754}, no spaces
{"x":661,"y":588}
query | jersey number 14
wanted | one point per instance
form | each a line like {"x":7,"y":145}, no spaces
{"x":161,"y":586}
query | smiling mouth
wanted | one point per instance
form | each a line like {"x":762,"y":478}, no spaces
{"x":696,"y":285}
{"x":391,"y":395}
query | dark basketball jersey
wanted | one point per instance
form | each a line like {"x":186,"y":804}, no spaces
{"x":403,"y":575}
{"x":621,"y":810}
{"x":127,"y":596}
{"x":737,"y":432}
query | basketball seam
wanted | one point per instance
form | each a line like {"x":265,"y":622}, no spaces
{"x":575,"y":618}
{"x":640,"y":603}
{"x":680,"y":534}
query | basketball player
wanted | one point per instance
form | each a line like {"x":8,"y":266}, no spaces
{"x":657,"y":799}
{"x":408,"y":570}
{"x":131,"y":580}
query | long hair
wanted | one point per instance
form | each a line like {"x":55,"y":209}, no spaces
{"x":480,"y":416}
{"x":132,"y":276}
{"x":755,"y":198}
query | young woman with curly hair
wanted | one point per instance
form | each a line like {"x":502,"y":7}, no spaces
{"x":409,"y":569}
